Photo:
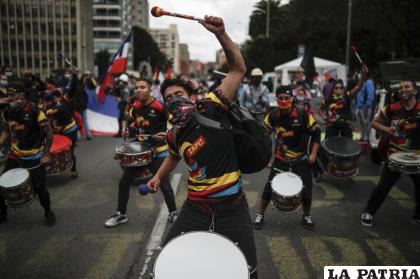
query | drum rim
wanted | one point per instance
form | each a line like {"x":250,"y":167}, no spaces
{"x":20,"y":184}
{"x":133,"y":154}
{"x":394,"y":160}
{"x":287,"y":173}
{"x":338,"y":155}
{"x":207,"y":232}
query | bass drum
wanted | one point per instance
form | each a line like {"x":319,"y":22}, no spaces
{"x":16,"y":187}
{"x":60,"y":156}
{"x":287,"y":188}
{"x":201,"y":255}
{"x":340,"y":157}
{"x":405,"y":162}
{"x":133,"y":154}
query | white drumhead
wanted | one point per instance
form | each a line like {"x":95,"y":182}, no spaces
{"x":203,"y":255}
{"x":287,"y":184}
{"x":13,"y":177}
{"x":409,"y":158}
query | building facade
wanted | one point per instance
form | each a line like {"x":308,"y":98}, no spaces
{"x":111,"y":24}
{"x":34,"y":32}
{"x":167,"y":40}
{"x":140,"y":13}
{"x":184,"y":59}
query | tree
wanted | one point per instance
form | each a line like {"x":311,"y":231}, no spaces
{"x":146,"y":49}
{"x":102,"y":61}
{"x":381,"y":30}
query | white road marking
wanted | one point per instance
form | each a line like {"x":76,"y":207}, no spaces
{"x":159,"y":228}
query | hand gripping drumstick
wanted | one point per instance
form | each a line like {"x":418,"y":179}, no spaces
{"x":66,"y":60}
{"x":354,"y":50}
{"x":157,"y":12}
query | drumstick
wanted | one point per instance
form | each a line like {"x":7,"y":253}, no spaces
{"x":276,"y":169}
{"x":158,"y":12}
{"x":354,"y":50}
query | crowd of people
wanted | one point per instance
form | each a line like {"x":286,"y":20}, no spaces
{"x":33,"y":110}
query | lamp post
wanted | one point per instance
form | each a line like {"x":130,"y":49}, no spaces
{"x":348,"y":33}
{"x":267,"y":23}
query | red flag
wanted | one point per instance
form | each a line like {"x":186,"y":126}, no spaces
{"x":168,"y":72}
{"x":117,"y":66}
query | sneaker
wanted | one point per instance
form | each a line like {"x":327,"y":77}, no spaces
{"x":366,"y":219}
{"x":116,"y":219}
{"x":307,"y":222}
{"x":74,"y":174}
{"x":50,"y":219}
{"x":88,"y":138}
{"x":172,"y":216}
{"x":415,"y":220}
{"x":259,"y":221}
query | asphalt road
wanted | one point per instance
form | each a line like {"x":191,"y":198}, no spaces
{"x":79,"y":246}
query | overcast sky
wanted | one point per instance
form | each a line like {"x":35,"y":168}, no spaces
{"x":202,"y":44}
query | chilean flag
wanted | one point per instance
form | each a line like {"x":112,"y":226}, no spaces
{"x":117,"y":66}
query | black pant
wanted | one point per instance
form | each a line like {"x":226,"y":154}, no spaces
{"x":73,"y":137}
{"x":302,"y":169}
{"x":335,"y":131}
{"x":38,"y":179}
{"x":121,"y":116}
{"x":130,"y":173}
{"x":232,"y":221}
{"x":387,"y":181}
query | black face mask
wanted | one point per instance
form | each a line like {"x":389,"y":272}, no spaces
{"x":180,"y":111}
{"x":407,"y":97}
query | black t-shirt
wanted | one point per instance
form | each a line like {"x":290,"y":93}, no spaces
{"x":148,"y":120}
{"x":407,"y":136}
{"x":61,"y":114}
{"x":209,"y":153}
{"x":26,"y":129}
{"x":338,"y":109}
{"x":292,"y":132}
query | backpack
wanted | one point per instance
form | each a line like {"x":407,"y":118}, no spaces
{"x":252,"y":139}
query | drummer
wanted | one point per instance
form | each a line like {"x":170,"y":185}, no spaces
{"x":63,"y":123}
{"x":215,"y":197}
{"x":401,"y":122}
{"x":31,"y":141}
{"x":293,"y":127}
{"x":147,"y":121}
{"x":336,"y":108}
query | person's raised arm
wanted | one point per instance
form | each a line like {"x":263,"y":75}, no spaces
{"x":353,"y":92}
{"x":235,"y":61}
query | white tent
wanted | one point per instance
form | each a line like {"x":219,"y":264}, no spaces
{"x":322,"y":66}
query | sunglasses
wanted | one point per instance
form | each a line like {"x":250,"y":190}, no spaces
{"x":339,"y":87}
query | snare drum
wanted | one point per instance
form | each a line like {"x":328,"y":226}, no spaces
{"x":340,"y":157}
{"x":133,"y":154}
{"x":203,"y":255}
{"x":16,"y":187}
{"x":287,"y":188}
{"x":60,"y":156}
{"x":405,"y":162}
